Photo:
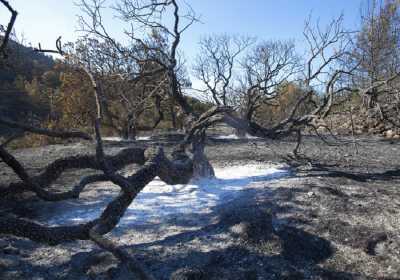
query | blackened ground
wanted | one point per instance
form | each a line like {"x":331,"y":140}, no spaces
{"x":336,"y":216}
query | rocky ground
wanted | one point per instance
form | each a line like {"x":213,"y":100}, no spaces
{"x":335,"y":215}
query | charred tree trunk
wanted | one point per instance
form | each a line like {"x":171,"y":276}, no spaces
{"x":177,"y":171}
{"x":130,"y":129}
{"x":248,"y":117}
{"x":240,"y":133}
{"x":173,"y":115}
{"x":202,"y":167}
{"x":159,"y":111}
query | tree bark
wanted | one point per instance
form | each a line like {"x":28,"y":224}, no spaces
{"x":130,"y":129}
{"x":54,"y":170}
{"x":202,"y":167}
{"x":173,"y":115}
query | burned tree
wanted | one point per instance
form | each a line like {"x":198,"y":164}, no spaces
{"x":161,"y":65}
{"x":377,"y":57}
{"x":125,"y":94}
{"x":153,"y":161}
{"x":322,"y":78}
{"x":376,"y":49}
{"x":325,"y":74}
{"x":266,"y":69}
{"x":215,"y":66}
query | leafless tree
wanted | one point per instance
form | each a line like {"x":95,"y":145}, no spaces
{"x":124,"y":99}
{"x":153,"y":161}
{"x":377,"y":46}
{"x":323,"y":74}
{"x":150,"y":18}
{"x":215,"y":65}
{"x":322,"y":79}
{"x":376,"y":52}
{"x":266,"y":69}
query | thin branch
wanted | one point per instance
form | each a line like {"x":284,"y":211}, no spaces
{"x":9,"y":28}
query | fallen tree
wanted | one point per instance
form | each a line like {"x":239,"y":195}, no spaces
{"x":188,"y":160}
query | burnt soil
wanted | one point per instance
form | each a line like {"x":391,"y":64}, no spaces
{"x":336,"y":215}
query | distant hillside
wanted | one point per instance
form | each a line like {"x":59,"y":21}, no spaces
{"x":22,"y":65}
{"x":18,"y":106}
{"x":22,"y":61}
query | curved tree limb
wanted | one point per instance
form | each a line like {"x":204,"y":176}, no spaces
{"x":156,"y":165}
{"x":179,"y":170}
{"x":54,"y":170}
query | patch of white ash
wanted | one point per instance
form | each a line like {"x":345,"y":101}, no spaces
{"x":234,"y":136}
{"x":158,"y":201}
{"x":119,"y":139}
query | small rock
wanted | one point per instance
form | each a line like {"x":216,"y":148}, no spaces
{"x":389,"y":134}
{"x":381,"y":249}
{"x":311,"y":194}
{"x":373,"y":241}
{"x":188,"y":274}
{"x":371,"y":131}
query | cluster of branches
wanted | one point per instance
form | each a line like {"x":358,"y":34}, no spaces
{"x":245,"y":77}
{"x":376,"y":52}
{"x":238,"y":72}
{"x":149,"y":67}
{"x":126,"y":93}
{"x":153,"y":162}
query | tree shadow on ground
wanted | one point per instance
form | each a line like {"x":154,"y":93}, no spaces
{"x":282,"y":249}
{"x":277,"y":251}
{"x":334,"y":170}
{"x":151,"y":203}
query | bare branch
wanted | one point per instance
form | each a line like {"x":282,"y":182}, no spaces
{"x":9,"y":28}
{"x":44,"y":131}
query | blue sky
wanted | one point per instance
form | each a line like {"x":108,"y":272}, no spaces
{"x":44,"y":20}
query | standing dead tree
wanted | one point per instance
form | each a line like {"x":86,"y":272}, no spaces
{"x":376,"y":53}
{"x":325,"y":69}
{"x":376,"y":50}
{"x":325,"y":73}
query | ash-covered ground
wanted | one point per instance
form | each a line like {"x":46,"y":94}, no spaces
{"x":335,"y":214}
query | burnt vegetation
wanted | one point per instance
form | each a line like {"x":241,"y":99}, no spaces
{"x":346,"y":83}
